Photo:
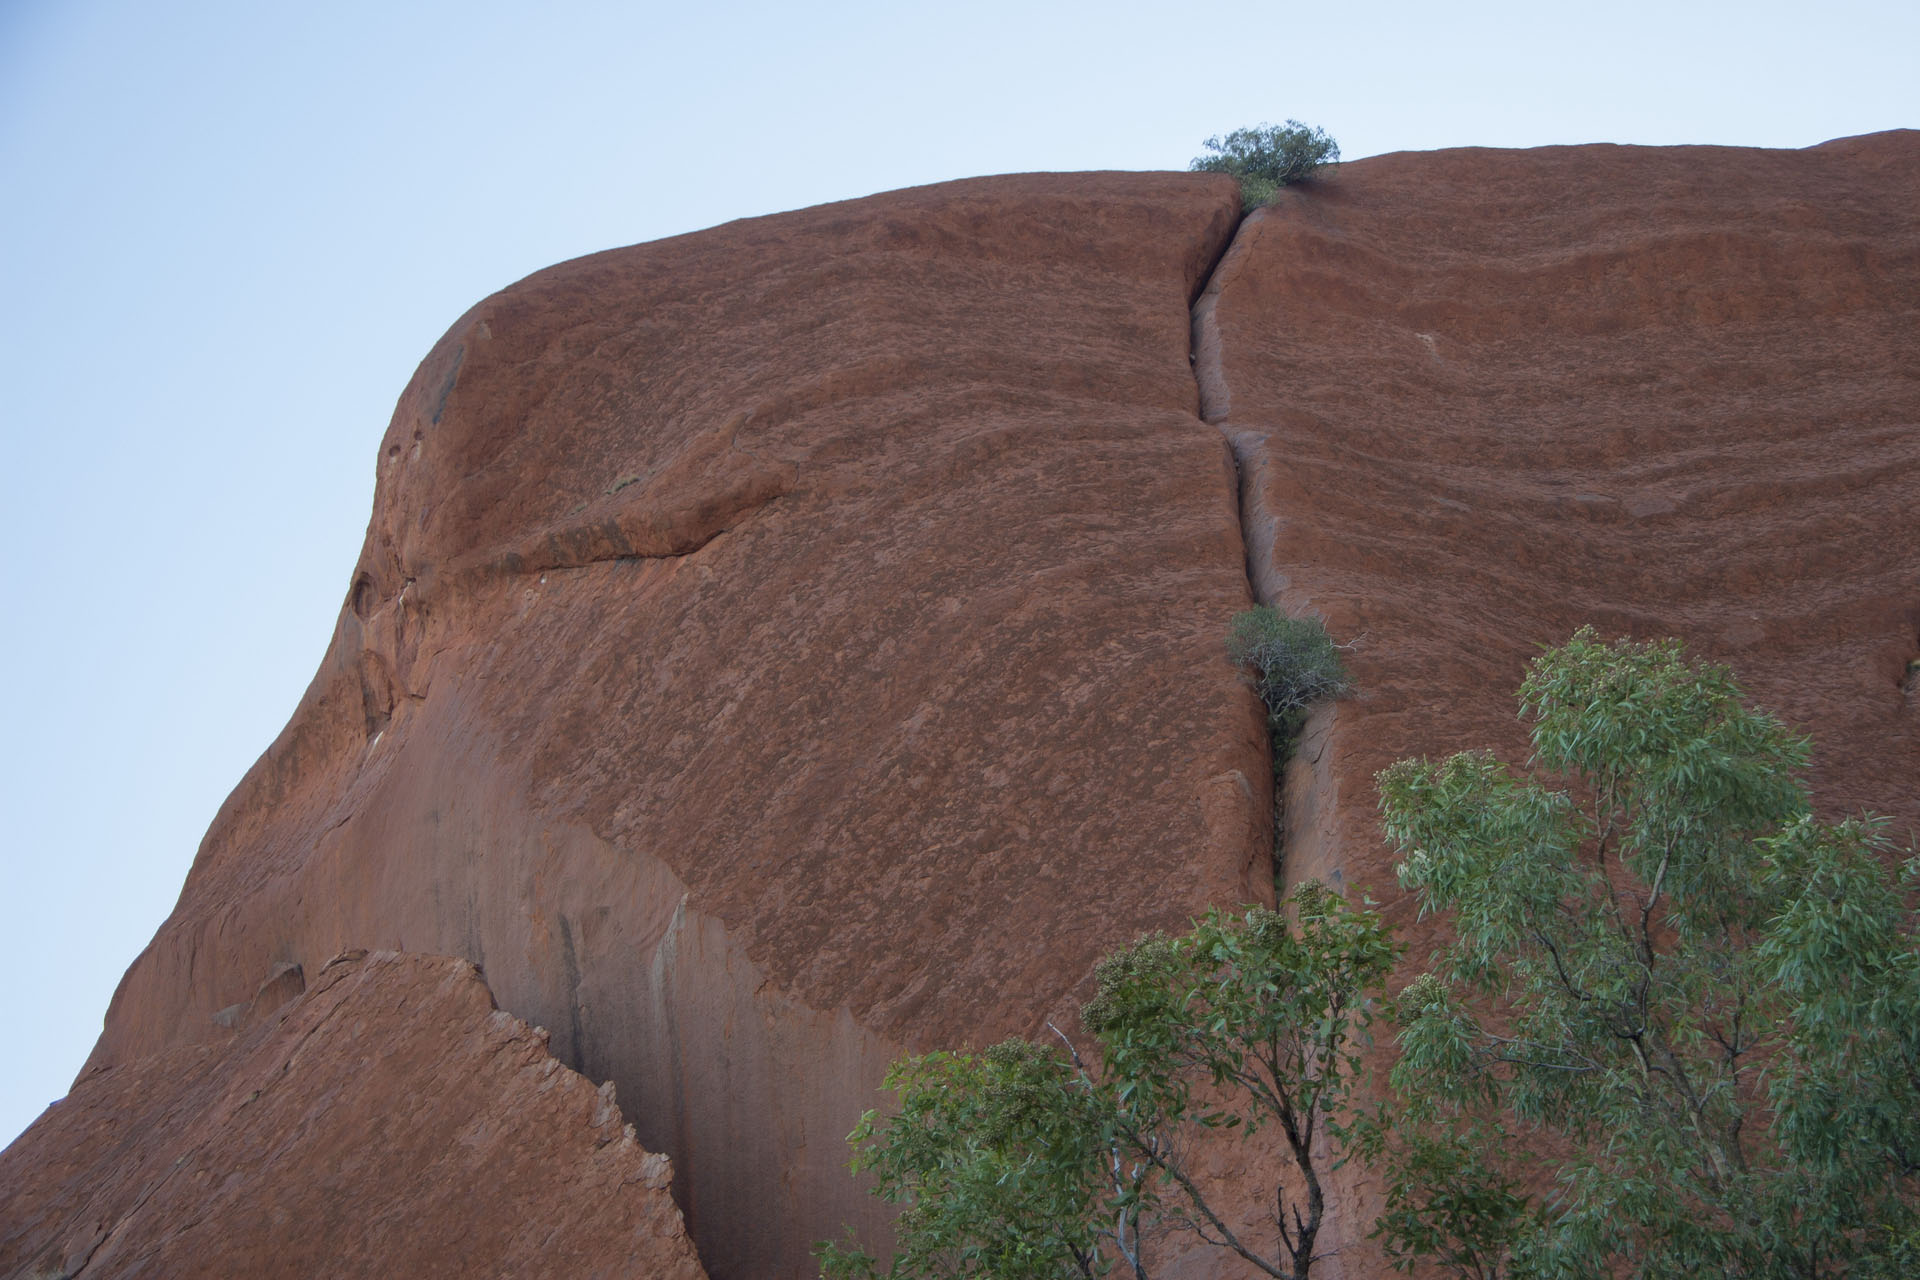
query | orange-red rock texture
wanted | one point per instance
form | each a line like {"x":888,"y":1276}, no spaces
{"x":786,"y":646}
{"x":1483,"y":397}
{"x":774,"y":649}
{"x":390,"y":1121}
{"x":1487,"y":396}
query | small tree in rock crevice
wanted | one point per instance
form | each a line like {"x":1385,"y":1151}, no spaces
{"x":1269,"y":157}
{"x":1296,"y":666}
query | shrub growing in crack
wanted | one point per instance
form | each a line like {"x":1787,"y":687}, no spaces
{"x":1269,"y":157}
{"x":1296,"y":665}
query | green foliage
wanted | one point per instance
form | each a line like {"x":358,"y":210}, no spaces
{"x":1022,"y":1162}
{"x":1269,"y":157}
{"x":1245,"y":1023}
{"x":1447,"y":1199}
{"x":1699,"y":1001}
{"x":1296,"y":665}
{"x":997,"y":1158}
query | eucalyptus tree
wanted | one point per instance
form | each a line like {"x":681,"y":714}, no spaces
{"x":1032,"y":1159}
{"x":1678,"y":1032}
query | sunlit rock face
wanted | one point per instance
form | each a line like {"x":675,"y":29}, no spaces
{"x":796,"y":644}
{"x":774,"y":649}
{"x":1484,"y":397}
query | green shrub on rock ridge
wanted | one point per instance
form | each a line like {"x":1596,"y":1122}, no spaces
{"x":1269,"y":157}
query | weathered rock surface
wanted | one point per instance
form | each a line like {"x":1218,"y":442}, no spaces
{"x":388,"y":1122}
{"x":786,"y":646}
{"x":774,"y":649}
{"x":1484,"y":397}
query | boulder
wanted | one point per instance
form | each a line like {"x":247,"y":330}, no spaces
{"x":388,"y":1121}
{"x":785,"y":647}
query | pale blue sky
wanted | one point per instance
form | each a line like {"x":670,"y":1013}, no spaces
{"x":229,"y":230}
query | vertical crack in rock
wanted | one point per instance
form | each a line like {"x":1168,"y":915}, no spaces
{"x":576,"y":1056}
{"x":1301,"y":781}
{"x":1216,"y":407}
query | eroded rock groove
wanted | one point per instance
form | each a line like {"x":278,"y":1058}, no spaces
{"x":1295,"y":784}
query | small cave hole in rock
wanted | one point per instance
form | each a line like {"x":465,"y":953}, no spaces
{"x":365,"y":597}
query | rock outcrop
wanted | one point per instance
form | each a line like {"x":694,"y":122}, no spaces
{"x":775,"y":649}
{"x":1484,"y":397}
{"x":389,"y":1121}
{"x":1487,"y":396}
{"x":783,"y":647}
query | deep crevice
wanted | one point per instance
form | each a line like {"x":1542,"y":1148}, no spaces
{"x":1205,"y":278}
{"x":1214,"y":407}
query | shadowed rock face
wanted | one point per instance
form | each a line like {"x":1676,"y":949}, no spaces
{"x":786,"y":646}
{"x":774,"y":649}
{"x":389,"y":1122}
{"x":1484,"y":397}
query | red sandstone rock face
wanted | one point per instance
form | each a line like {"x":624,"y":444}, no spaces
{"x":389,"y":1122}
{"x":1484,"y":397}
{"x":774,"y":649}
{"x":789,"y":645}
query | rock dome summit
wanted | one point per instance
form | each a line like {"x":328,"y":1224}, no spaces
{"x":788,"y":646}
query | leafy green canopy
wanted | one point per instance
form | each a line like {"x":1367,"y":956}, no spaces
{"x":1025,"y":1161}
{"x":1696,"y":1001}
{"x":1269,"y":157}
{"x":997,"y":1159}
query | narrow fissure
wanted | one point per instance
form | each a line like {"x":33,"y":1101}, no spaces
{"x":1257,"y":527}
{"x":1216,"y":406}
